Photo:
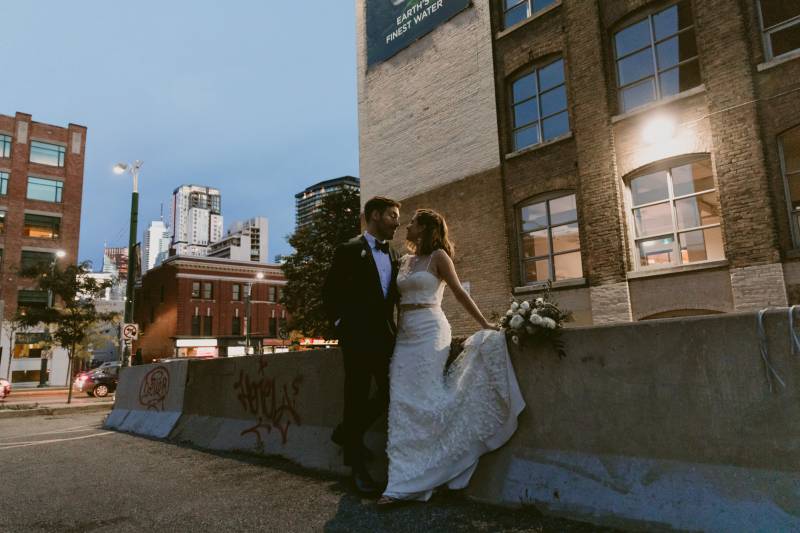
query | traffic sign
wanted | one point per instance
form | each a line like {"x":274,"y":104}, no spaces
{"x":130,"y":332}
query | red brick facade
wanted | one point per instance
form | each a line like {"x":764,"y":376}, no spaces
{"x":22,"y":130}
{"x":165,"y":304}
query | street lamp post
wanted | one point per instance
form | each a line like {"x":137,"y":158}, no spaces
{"x":133,"y":169}
{"x":60,"y":254}
{"x":248,"y":291}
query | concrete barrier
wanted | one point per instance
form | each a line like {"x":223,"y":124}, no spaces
{"x":282,"y":404}
{"x":663,"y":424}
{"x":149,"y":399}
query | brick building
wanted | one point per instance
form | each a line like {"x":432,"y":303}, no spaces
{"x":642,"y":155}
{"x":197,"y":306}
{"x":41,"y":190}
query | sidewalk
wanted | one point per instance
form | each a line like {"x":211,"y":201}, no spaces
{"x":49,"y":402}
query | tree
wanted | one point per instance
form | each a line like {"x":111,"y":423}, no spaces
{"x":11,"y":326}
{"x":73,"y":313}
{"x":335,"y":221}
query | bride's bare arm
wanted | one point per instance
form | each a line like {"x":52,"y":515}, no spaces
{"x":444,"y":269}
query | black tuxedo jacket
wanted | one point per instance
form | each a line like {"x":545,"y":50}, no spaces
{"x":352,"y":295}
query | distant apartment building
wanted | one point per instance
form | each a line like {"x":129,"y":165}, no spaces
{"x":310,"y":199}
{"x":244,"y":241}
{"x":156,"y":244}
{"x":115,"y":261}
{"x":41,"y":190}
{"x":197,"y":307}
{"x":196,"y":219}
{"x":641,"y":156}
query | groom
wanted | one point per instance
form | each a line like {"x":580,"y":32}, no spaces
{"x":360,"y":295}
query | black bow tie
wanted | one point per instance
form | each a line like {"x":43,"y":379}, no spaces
{"x":382,"y":246}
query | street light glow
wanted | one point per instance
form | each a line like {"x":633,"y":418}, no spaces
{"x":260,"y":275}
{"x":120,"y":168}
{"x":61,"y":254}
{"x":659,"y":129}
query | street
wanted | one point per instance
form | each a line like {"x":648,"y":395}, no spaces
{"x":50,"y":397}
{"x":67,"y":474}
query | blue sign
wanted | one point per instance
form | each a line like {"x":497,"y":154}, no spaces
{"x":394,"y":24}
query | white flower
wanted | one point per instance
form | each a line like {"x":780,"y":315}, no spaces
{"x":521,"y":312}
{"x":549,"y":323}
{"x":514,"y":306}
{"x":539,"y":301}
{"x":509,"y":312}
{"x":536,"y":320}
{"x":363,"y":253}
{"x":516,"y":322}
{"x":525,"y":305}
{"x":515,"y":339}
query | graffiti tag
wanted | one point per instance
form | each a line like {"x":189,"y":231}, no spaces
{"x":273,"y":404}
{"x":154,"y":389}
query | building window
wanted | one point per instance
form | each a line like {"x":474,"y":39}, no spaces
{"x":515,"y":11}
{"x":208,"y":290}
{"x":789,"y":146}
{"x":47,"y":154}
{"x":539,"y":105}
{"x":780,"y":22}
{"x":3,"y":183}
{"x":236,"y":326}
{"x":271,"y":293}
{"x":195,"y":289}
{"x":657,"y":57}
{"x":2,"y":222}
{"x":27,"y":298}
{"x":44,"y":189}
{"x":5,"y":146}
{"x":675,"y":216}
{"x":41,"y":227}
{"x":236,"y":292}
{"x":550,"y":244}
{"x":30,"y":259}
{"x":207,"y":325}
{"x":196,"y":326}
{"x":273,"y":327}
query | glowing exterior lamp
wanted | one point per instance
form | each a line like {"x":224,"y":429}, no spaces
{"x":659,"y":129}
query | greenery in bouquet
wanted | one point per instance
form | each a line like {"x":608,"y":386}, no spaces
{"x":535,"y":319}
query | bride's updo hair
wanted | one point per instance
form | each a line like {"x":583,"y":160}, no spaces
{"x":434,"y":235}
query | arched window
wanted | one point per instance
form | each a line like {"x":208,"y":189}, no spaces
{"x":789,"y":145}
{"x":674,"y":215}
{"x":549,"y":240}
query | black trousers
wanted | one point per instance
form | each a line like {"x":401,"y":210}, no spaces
{"x":360,"y":409}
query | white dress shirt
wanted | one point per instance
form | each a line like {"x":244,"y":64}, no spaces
{"x":382,"y":261}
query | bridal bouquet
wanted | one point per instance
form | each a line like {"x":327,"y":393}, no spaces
{"x":537,"y":318}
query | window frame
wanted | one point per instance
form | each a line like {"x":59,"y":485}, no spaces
{"x":47,"y":147}
{"x":766,"y":32}
{"x":652,"y":45}
{"x":207,"y":290}
{"x":236,"y":292}
{"x":6,"y":142}
{"x":56,"y":229}
{"x":196,"y":325}
{"x":4,"y":177}
{"x":59,"y":190}
{"x":24,"y":266}
{"x":530,"y":11}
{"x":535,"y":68}
{"x":546,"y":198}
{"x":794,"y":214}
{"x":667,"y":166}
{"x":195,"y":289}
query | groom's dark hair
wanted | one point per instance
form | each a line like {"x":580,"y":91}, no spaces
{"x":380,"y":204}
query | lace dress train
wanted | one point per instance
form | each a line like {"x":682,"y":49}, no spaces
{"x":441,"y":423}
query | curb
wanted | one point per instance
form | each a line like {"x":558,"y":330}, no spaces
{"x":19,"y":413}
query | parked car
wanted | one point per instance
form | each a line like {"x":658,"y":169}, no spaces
{"x":5,"y":388}
{"x":100,"y":381}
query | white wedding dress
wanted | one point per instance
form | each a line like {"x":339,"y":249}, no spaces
{"x":441,"y":423}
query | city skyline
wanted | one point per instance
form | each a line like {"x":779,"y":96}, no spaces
{"x":195,"y":107}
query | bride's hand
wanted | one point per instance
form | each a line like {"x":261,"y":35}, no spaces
{"x":486,"y":325}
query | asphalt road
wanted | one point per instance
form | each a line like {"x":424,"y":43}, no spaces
{"x":67,"y":474}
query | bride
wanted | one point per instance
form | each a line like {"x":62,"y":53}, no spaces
{"x":441,"y":421}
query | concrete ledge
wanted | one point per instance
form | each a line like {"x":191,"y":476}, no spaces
{"x":52,"y":410}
